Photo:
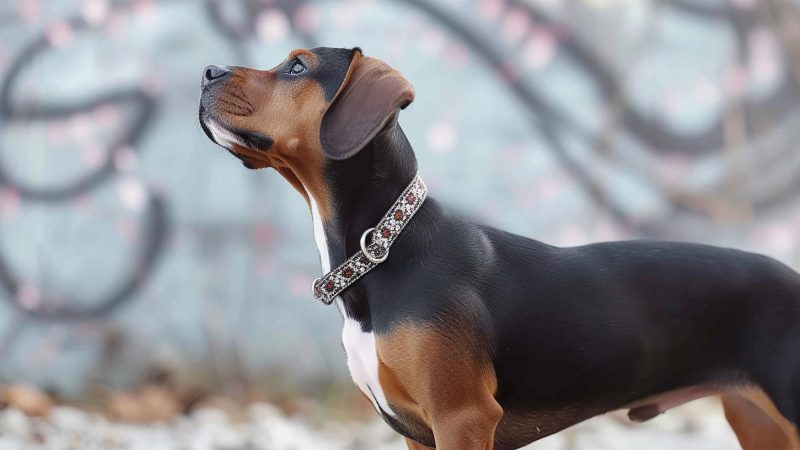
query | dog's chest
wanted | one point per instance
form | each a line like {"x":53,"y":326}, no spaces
{"x":362,"y":360}
{"x":362,"y":354}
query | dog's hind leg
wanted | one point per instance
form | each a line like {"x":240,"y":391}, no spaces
{"x":754,"y":428}
{"x":758,"y":423}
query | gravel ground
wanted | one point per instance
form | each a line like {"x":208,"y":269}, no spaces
{"x":696,"y":426}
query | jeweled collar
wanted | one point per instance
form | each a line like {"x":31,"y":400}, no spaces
{"x":330,"y":285}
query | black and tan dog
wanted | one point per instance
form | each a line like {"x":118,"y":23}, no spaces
{"x":468,"y":337}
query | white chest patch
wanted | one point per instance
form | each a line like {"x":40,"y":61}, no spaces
{"x":362,"y":354}
{"x":362,"y":360}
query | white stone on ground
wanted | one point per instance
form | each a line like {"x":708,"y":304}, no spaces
{"x":697,"y":426}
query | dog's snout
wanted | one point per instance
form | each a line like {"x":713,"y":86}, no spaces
{"x":214,"y":73}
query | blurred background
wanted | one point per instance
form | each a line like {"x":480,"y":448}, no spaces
{"x":145,"y":274}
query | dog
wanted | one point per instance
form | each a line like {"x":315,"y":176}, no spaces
{"x":467,"y":337}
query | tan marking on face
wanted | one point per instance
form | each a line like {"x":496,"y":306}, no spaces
{"x":293,"y":144}
{"x":309,"y":59}
{"x":287,"y":110}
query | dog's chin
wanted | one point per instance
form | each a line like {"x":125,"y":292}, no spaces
{"x":228,"y":136}
{"x":202,"y":117}
{"x":207,"y":131}
{"x":246,"y":161}
{"x":234,"y":140}
{"x":253,"y":139}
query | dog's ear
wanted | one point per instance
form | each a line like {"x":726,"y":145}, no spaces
{"x":370,"y":96}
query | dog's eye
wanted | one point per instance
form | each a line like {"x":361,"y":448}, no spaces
{"x":297,"y":68}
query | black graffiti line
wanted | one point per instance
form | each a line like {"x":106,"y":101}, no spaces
{"x":155,"y":220}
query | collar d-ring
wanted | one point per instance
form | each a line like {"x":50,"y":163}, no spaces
{"x":327,"y":287}
{"x":367,"y":253}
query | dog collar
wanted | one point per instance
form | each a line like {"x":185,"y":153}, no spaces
{"x":330,"y":285}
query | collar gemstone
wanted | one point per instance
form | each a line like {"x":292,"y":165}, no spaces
{"x":330,"y":285}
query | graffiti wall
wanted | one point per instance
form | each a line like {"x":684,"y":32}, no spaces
{"x":129,"y":243}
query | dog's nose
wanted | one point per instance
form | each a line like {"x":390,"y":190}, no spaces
{"x":214,"y":73}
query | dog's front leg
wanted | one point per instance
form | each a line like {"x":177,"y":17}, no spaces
{"x":443,"y":377}
{"x":470,"y":427}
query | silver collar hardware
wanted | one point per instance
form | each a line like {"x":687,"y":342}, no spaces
{"x":330,"y":285}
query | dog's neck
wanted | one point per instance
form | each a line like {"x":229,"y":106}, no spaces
{"x":362,"y":188}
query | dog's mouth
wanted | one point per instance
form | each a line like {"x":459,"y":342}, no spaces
{"x":248,"y":146}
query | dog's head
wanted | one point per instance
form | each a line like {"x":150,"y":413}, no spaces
{"x":316,"y":106}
